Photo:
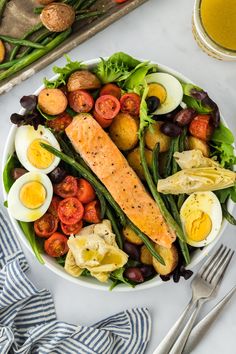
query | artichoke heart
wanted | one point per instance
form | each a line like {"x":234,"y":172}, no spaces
{"x":193,"y":159}
{"x":200,"y":179}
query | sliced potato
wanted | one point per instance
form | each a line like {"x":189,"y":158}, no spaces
{"x":145,"y":256}
{"x":170,"y":256}
{"x":135,"y":162}
{"x":52,"y":101}
{"x":124,"y":131}
{"x":154,"y":135}
{"x":2,"y":51}
{"x":57,"y":17}
{"x":198,"y":144}
{"x":83,"y":80}
{"x":131,"y":236}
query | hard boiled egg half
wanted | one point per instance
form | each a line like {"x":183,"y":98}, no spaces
{"x":30,"y":196}
{"x":167,"y":89}
{"x":29,"y":151}
{"x":201,"y":217}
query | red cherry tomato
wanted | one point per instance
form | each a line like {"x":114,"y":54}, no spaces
{"x":53,"y":207}
{"x":130,"y":103}
{"x":72,"y":229}
{"x":70,"y":211}
{"x":60,"y":123}
{"x":103,"y":122}
{"x":107,"y":106}
{"x":201,"y":127}
{"x":67,"y":188}
{"x":80,"y":101}
{"x":46,"y":225}
{"x":111,"y":89}
{"x":92,"y":212}
{"x":120,"y":1}
{"x":85,"y":192}
{"x":56,"y":245}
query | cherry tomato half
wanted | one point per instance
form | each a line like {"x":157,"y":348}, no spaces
{"x":46,"y":225}
{"x":53,"y":207}
{"x":60,"y":123}
{"x":103,"y":122}
{"x":56,"y":245}
{"x":201,"y":127}
{"x":80,"y":101}
{"x":92,"y":212}
{"x":70,"y":211}
{"x":72,"y":229}
{"x":85,"y":192}
{"x":67,"y":188}
{"x":130,"y":103}
{"x":111,"y":89}
{"x":107,"y":106}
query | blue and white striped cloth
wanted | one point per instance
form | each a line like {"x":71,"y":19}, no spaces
{"x":28,"y":322}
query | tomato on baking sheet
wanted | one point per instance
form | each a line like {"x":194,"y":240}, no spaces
{"x":80,"y":101}
{"x":111,"y":89}
{"x":120,"y":1}
{"x":67,"y":188}
{"x":85,"y":192}
{"x":46,"y":225}
{"x":107,"y":106}
{"x":53,"y":207}
{"x":56,"y":245}
{"x":70,"y":211}
{"x":60,"y":123}
{"x":92,"y":212}
{"x":130,"y":103}
{"x":105,"y":123}
{"x":72,"y":229}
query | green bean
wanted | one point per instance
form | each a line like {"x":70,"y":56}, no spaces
{"x":116,"y":230}
{"x":167,"y":171}
{"x":156,"y":195}
{"x":38,"y":10}
{"x":43,"y":38}
{"x":89,"y":14}
{"x":181,"y":199}
{"x":36,"y":54}
{"x":20,"y":41}
{"x":182,"y":140}
{"x":87,"y":4}
{"x":2,"y":7}
{"x":229,"y":217}
{"x":102,"y":203}
{"x":155,"y":169}
{"x":98,"y":186}
{"x":8,"y":64}
{"x":175,"y":166}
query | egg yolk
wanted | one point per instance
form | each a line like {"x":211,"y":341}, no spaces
{"x":32,"y":195}
{"x":38,"y":156}
{"x":158,"y":91}
{"x":198,"y":225}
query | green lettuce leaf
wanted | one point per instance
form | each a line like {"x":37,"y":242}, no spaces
{"x":28,"y":230}
{"x":8,"y":180}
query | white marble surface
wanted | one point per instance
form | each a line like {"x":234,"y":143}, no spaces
{"x":160,"y":30}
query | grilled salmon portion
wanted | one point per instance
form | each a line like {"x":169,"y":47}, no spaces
{"x":107,"y":162}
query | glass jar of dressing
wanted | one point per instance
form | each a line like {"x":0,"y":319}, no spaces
{"x":214,"y":27}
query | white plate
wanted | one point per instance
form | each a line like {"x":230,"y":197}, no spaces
{"x":90,"y":282}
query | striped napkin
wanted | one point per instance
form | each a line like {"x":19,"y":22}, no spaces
{"x":28,"y":322}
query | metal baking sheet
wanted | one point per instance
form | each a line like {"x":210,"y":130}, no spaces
{"x":18,"y":17}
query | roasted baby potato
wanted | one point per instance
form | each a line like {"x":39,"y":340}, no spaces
{"x":124,"y":131}
{"x":154,"y":135}
{"x":198,"y":144}
{"x":134,"y":160}
{"x":131,"y":236}
{"x":57,"y":17}
{"x":170,"y":256}
{"x":145,"y":256}
{"x":52,"y":101}
{"x":2,"y":51}
{"x":83,"y":80}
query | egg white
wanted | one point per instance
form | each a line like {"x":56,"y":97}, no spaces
{"x":25,"y":135}
{"x":174,"y":91}
{"x":15,"y":206}
{"x":208,"y":203}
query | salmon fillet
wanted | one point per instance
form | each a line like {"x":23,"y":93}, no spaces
{"x":107,"y":162}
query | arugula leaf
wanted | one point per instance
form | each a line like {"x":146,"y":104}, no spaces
{"x":61,"y":260}
{"x":8,"y":180}
{"x":196,"y":105}
{"x":28,"y":229}
{"x":64,"y":73}
{"x":117,"y":276}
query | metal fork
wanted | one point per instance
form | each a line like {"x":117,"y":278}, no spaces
{"x":203,"y":286}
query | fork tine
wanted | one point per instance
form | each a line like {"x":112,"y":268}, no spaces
{"x":214,"y":263}
{"x":209,"y":261}
{"x":219,"y":272}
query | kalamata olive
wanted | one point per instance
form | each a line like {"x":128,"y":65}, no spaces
{"x":153,"y":103}
{"x":18,"y":172}
{"x":170,"y":116}
{"x":132,"y":250}
{"x":171,"y":129}
{"x":57,"y":175}
{"x":147,"y":270}
{"x":185,"y":116}
{"x":29,"y":102}
{"x":134,"y":274}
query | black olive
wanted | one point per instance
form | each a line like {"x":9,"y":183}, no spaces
{"x":147,"y":270}
{"x":171,"y":129}
{"x":153,"y":103}
{"x":57,"y":175}
{"x":132,"y":250}
{"x":134,"y":274}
